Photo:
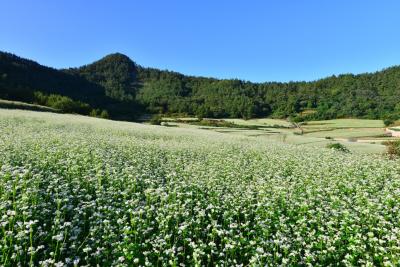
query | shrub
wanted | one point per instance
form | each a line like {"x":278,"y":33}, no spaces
{"x":338,"y":147}
{"x":388,"y":122}
{"x":98,"y":113}
{"x":104,"y":114}
{"x":61,"y":103}
{"x":156,"y":120}
{"x":297,"y":119}
{"x":94,"y":112}
{"x":393,"y":148}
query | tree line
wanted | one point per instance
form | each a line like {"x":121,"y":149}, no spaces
{"x":125,"y":90}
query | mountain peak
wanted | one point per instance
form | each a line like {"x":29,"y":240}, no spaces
{"x":117,"y":58}
{"x":115,"y":72}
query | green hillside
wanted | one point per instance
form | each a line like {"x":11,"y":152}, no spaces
{"x":125,"y":90}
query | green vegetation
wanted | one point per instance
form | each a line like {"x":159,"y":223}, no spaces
{"x":99,"y":113}
{"x":393,"y":148}
{"x":263,"y":122}
{"x":24,"y":106}
{"x":55,"y":103}
{"x":76,"y":190}
{"x":156,"y":120}
{"x":61,"y":103}
{"x":358,"y":135}
{"x":223,"y":123}
{"x":217,"y":123}
{"x":115,"y":73}
{"x":338,"y":147}
{"x":73,"y":90}
{"x":345,"y":123}
{"x":344,"y":132}
{"x":388,"y":122}
{"x":125,"y":90}
{"x":395,"y":129}
{"x":220,"y":123}
{"x":362,"y":96}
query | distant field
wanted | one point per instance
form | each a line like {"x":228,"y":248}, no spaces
{"x":179,"y":118}
{"x":348,"y":132}
{"x":25,"y":106}
{"x":360,"y":136}
{"x":261,"y":122}
{"x":345,"y":123}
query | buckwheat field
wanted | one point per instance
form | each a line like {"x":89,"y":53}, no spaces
{"x":79,"y":191}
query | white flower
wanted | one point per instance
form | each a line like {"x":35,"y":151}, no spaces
{"x":260,"y":250}
{"x":76,"y":261}
{"x":58,"y":237}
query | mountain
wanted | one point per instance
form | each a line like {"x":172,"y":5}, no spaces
{"x":116,"y":86}
{"x":85,"y":90}
{"x":19,"y":77}
{"x":116,"y":73}
{"x":370,"y":95}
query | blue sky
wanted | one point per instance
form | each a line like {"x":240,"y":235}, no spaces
{"x":256,"y":40}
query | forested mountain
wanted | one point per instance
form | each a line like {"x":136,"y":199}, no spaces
{"x":116,"y":73}
{"x":373,"y":95}
{"x":118,"y":86}
{"x":93,"y":89}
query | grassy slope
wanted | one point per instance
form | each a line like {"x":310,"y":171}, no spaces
{"x":346,"y":123}
{"x":315,"y":133}
{"x":261,"y":122}
{"x":25,"y":106}
{"x":347,"y":132}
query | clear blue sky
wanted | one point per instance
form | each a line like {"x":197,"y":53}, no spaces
{"x":257,"y":40}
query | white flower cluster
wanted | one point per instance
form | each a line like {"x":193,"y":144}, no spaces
{"x":85,"y":192}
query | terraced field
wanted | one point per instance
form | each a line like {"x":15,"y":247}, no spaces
{"x":346,"y":123}
{"x":360,"y":136}
{"x":78,"y":191}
